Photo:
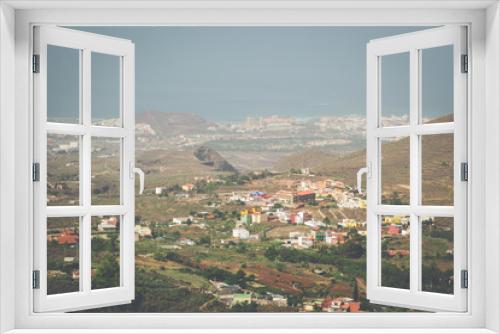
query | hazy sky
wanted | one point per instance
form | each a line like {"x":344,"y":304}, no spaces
{"x":227,"y":73}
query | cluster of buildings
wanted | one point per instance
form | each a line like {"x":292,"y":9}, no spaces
{"x":142,"y":231}
{"x":264,"y":123}
{"x":65,"y":236}
{"x":110,"y":224}
{"x":302,"y":192}
{"x":396,"y":227}
{"x":232,"y":295}
{"x":332,"y":305}
{"x":287,"y":207}
{"x":303,"y":240}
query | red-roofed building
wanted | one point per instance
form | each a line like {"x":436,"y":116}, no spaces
{"x":393,"y":230}
{"x":354,"y":307}
{"x":304,"y":196}
{"x":401,"y":252}
{"x":67,"y":237}
{"x":340,"y":304}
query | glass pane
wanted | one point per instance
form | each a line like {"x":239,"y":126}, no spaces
{"x":105,"y":252}
{"x":437,"y":254}
{"x":63,"y":84}
{"x":106,"y":89}
{"x":437,"y":169}
{"x":63,"y":255}
{"x":395,"y":89}
{"x":106,"y":171}
{"x":63,"y":170}
{"x":395,"y":170}
{"x":437,"y":84}
{"x":395,"y":245}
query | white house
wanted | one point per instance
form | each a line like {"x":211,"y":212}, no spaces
{"x":143,"y":231}
{"x":181,"y":220}
{"x":107,"y":225}
{"x":305,"y":242}
{"x":241,"y":233}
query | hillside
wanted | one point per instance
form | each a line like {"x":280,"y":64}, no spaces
{"x":343,"y":167}
{"x":437,"y":166}
{"x":210,"y":157}
{"x":173,"y":123}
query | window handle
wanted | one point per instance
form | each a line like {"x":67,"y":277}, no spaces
{"x":139,"y":172}
{"x":361,"y":171}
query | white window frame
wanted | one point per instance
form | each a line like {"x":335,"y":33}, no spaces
{"x":412,"y":44}
{"x":86,"y":44}
{"x":16,"y":20}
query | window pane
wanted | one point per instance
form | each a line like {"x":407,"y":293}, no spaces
{"x":395,"y":170}
{"x":395,"y":246}
{"x":105,"y":252}
{"x":63,"y":255}
{"x":63,"y":170}
{"x":437,"y":84}
{"x":437,"y":169}
{"x":63,"y":84}
{"x":437,"y":254}
{"x":106,"y":89}
{"x":395,"y":89}
{"x":106,"y":171}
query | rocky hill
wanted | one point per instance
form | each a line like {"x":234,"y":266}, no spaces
{"x":212,"y":158}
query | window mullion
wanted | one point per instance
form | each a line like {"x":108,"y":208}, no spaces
{"x":415,"y":271}
{"x":85,"y":168}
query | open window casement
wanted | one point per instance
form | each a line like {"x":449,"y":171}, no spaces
{"x":83,"y":170}
{"x":398,"y":265}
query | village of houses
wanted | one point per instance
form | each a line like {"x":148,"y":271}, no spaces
{"x":299,"y":208}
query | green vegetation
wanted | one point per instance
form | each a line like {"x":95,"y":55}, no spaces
{"x":195,"y":265}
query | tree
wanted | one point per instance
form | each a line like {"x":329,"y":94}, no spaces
{"x":107,"y":273}
{"x":205,"y":240}
{"x":355,"y":291}
{"x":280,"y":266}
{"x":294,"y":300}
{"x":271,"y":253}
{"x":278,"y":206}
{"x":219,"y":214}
{"x":245,"y":307}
